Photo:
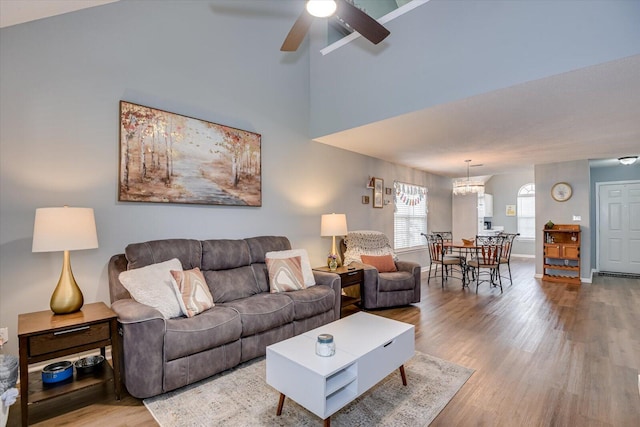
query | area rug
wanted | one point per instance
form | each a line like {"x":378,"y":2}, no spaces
{"x":241,"y":397}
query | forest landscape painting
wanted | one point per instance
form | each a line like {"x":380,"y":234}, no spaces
{"x":170,"y":158}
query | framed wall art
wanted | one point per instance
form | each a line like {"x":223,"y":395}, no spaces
{"x":510,"y":210}
{"x":378,"y":192}
{"x":170,"y":158}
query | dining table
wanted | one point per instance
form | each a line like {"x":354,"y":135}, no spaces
{"x":464,"y":249}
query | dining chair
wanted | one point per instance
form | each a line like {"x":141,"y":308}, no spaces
{"x":486,"y":261}
{"x":438,"y":257}
{"x":507,"y":247}
{"x":447,"y":237}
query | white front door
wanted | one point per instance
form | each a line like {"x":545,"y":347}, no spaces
{"x":619,"y":227}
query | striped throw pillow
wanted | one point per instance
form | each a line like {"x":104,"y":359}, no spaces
{"x":193,"y":293}
{"x":285,"y":274}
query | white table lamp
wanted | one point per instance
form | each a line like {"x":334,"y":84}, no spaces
{"x":65,"y":229}
{"x":334,"y":225}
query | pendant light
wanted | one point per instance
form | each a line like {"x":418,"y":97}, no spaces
{"x":468,"y":186}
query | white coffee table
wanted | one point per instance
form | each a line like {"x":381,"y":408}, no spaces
{"x":368,"y":348}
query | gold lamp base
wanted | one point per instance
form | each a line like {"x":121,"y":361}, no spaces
{"x":335,"y":253}
{"x":67,"y":297}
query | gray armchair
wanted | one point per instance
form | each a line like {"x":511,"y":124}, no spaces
{"x":381,"y":290}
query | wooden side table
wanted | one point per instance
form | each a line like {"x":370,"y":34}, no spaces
{"x":348,"y":278}
{"x":44,"y":336}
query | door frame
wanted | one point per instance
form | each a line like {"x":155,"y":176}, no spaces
{"x":597,"y":207}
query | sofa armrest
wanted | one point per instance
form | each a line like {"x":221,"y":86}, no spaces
{"x":407,"y":266}
{"x":131,"y":311}
{"x":333,"y":281}
{"x":143,"y":330}
{"x":415,"y":269}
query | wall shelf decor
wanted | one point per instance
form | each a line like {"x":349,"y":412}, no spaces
{"x":378,"y":192}
{"x":170,"y":158}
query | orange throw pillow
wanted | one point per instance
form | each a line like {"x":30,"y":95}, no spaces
{"x":384,"y":263}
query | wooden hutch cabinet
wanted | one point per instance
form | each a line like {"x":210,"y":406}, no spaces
{"x":562,"y":253}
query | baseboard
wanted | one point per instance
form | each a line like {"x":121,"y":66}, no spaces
{"x":537,"y":276}
{"x":523,"y":255}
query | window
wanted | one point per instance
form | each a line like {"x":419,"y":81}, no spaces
{"x":410,"y":215}
{"x":527,"y":211}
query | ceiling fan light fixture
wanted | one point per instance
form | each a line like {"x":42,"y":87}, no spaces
{"x":321,"y":8}
{"x":628,"y":160}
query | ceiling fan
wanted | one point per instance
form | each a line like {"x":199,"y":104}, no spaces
{"x":368,"y":27}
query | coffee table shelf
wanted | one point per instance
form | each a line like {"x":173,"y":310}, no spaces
{"x":368,"y":348}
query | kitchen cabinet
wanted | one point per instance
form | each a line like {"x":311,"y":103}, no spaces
{"x":488,"y":205}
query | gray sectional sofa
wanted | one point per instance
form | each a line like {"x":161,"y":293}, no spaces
{"x":161,"y":354}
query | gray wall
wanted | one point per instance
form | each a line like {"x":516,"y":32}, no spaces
{"x":577,"y":175}
{"x":607,"y":174}
{"x":447,"y":50}
{"x":505,"y":192}
{"x":62,"y":79}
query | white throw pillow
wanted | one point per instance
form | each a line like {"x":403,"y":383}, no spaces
{"x":307,"y":272}
{"x":153,"y":286}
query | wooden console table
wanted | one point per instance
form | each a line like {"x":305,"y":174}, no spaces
{"x":44,"y":336}
{"x":348,"y":278}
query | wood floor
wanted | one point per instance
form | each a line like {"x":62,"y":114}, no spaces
{"x":544,"y":354}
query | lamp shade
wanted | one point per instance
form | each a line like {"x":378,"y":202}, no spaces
{"x":333,"y":225}
{"x":64,"y":229}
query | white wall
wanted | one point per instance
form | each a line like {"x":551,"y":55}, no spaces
{"x":505,"y":189}
{"x":448,"y":50}
{"x":62,"y":79}
{"x":577,"y":175}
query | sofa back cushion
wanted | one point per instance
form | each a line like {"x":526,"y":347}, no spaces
{"x":226,"y":265}
{"x":258,"y":248}
{"x":230,"y":285}
{"x":188,"y":251}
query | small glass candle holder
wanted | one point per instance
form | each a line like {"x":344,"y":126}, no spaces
{"x":325,"y":346}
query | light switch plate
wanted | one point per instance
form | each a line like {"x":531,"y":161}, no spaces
{"x":577,"y":218}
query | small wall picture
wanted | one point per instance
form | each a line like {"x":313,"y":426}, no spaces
{"x":388,"y":191}
{"x":365,"y":200}
{"x":510,"y":210}
{"x":378,"y":188}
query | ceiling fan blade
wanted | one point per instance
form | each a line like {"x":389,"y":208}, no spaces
{"x":297,"y":32}
{"x":368,"y":27}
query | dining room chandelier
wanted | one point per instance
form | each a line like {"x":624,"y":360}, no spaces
{"x":468,"y":186}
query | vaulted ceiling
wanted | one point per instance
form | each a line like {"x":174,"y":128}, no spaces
{"x":590,"y":113}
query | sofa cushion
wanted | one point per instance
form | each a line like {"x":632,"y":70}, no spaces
{"x":396,"y":281}
{"x":382,"y":263}
{"x":307,"y":271}
{"x":285,"y":274}
{"x":188,"y":251}
{"x":224,"y":254}
{"x":152,"y":285}
{"x":209,"y":329}
{"x":230,"y":285}
{"x":263,"y":312}
{"x":312,"y":301}
{"x":192,"y":291}
{"x":259,"y":246}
